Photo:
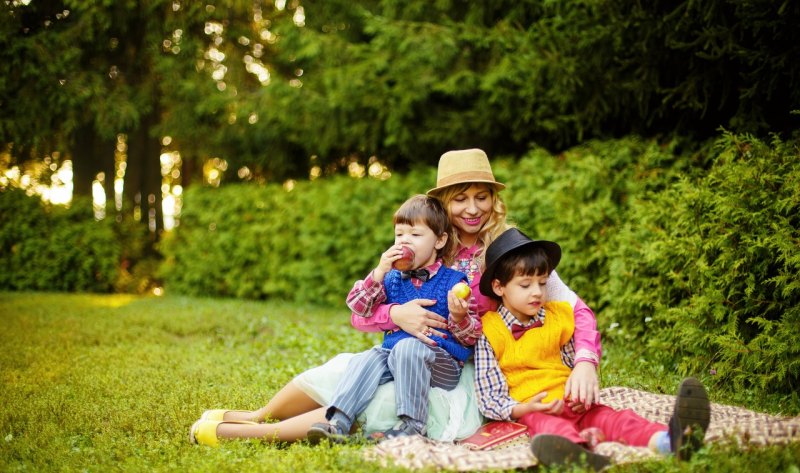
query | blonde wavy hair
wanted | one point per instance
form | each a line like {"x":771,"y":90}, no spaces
{"x":492,"y":229}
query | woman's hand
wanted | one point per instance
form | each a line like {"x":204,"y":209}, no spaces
{"x":414,"y":318}
{"x":582,"y":385}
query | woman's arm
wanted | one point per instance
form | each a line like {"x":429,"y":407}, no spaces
{"x":587,"y":338}
{"x":582,"y":385}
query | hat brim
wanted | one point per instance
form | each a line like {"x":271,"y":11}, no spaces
{"x":551,"y":249}
{"x":497,"y":185}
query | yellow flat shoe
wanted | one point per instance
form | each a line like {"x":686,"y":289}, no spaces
{"x":204,"y":431}
{"x":216,"y":414}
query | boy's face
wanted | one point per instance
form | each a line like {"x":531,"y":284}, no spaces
{"x":421,"y":239}
{"x":523,"y":296}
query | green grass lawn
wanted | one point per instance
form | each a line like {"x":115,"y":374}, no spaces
{"x":112,"y":383}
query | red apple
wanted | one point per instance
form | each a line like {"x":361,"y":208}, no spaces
{"x":406,"y":261}
{"x":462,"y":290}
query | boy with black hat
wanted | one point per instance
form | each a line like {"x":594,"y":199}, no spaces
{"x":521,"y":366}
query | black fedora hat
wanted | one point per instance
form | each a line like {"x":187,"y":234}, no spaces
{"x":511,"y":240}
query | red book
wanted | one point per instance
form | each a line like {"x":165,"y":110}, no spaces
{"x":494,"y":433}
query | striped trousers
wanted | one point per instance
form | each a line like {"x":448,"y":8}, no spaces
{"x":414,"y":366}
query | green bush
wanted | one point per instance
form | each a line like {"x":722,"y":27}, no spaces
{"x":309,"y":244}
{"x":708,"y":271}
{"x":581,"y":198}
{"x":55,"y":248}
{"x":691,"y":255}
{"x":139,"y":260}
{"x":263,"y":242}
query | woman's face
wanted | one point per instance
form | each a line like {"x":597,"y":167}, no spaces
{"x":470,"y":210}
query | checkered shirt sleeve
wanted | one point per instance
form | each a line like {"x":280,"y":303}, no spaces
{"x":366,"y":294}
{"x":491,"y":388}
{"x":469,"y":329}
{"x":568,"y":353}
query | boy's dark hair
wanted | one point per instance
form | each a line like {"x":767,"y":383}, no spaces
{"x":428,"y":211}
{"x":525,"y":261}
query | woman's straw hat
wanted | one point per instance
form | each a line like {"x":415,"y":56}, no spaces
{"x":462,"y":166}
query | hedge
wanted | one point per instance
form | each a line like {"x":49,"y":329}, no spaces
{"x":305,"y":245}
{"x":54,"y":248}
{"x":694,"y":256}
{"x":708,"y":271}
{"x":690,"y":254}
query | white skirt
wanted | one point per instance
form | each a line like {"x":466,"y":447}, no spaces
{"x":453,"y":415}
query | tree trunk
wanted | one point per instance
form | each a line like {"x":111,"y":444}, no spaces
{"x":92,"y":154}
{"x":191,"y":169}
{"x":143,"y":177}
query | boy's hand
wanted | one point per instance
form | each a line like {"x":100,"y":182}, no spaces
{"x":535,"y":404}
{"x":582,"y":385}
{"x":394,"y":253}
{"x":458,"y":307}
{"x":576,"y":407}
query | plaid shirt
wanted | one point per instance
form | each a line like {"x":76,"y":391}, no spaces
{"x":368,"y":293}
{"x":491,"y":387}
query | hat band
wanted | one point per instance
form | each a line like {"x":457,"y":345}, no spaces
{"x":463,"y":177}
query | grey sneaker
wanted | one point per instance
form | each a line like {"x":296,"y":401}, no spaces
{"x":558,"y":450}
{"x":404,"y":428}
{"x":331,"y":432}
{"x":690,"y":419}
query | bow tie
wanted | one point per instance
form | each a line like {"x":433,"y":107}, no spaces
{"x":517,"y":330}
{"x":422,"y":274}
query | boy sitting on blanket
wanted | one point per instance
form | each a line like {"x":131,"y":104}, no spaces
{"x":421,"y":224}
{"x":521,"y":367}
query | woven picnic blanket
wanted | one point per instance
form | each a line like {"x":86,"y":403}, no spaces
{"x":728,"y":424}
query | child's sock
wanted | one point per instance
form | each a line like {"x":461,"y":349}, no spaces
{"x":662,"y":442}
{"x":341,"y":421}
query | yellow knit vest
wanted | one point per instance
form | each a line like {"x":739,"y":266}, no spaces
{"x":533,"y":363}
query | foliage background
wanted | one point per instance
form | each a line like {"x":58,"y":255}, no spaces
{"x":282,"y":87}
{"x":307,"y":244}
{"x":55,"y":248}
{"x":603,"y":116}
{"x":695,"y":250}
{"x":689,"y":254}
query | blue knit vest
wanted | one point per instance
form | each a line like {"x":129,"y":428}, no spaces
{"x":400,"y":291}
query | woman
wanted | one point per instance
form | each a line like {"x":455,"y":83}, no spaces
{"x":468,"y":190}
